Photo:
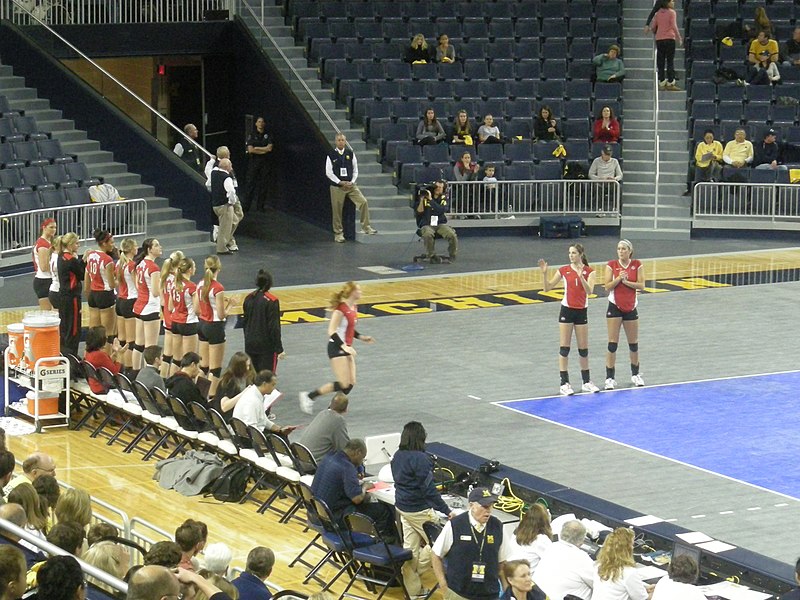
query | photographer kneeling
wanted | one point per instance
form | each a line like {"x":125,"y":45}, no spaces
{"x":431,"y":220}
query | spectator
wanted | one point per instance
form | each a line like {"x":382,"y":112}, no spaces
{"x":463,"y":131}
{"x":708,"y":158}
{"x":165,"y":554}
{"x":429,"y":130}
{"x":605,"y":167}
{"x":33,"y":467}
{"x":445,"y":53}
{"x":67,"y":536}
{"x":13,"y":571}
{"x":764,"y":72}
{"x":250,"y":407}
{"x":74,"y":505}
{"x":190,"y":152}
{"x":520,"y":584}
{"x":761,"y":20}
{"x":250,"y":583}
{"x":99,"y":532}
{"x":472,"y":537}
{"x":790,"y":53}
{"x":233,"y":382}
{"x":27,"y":498}
{"x":218,"y":558}
{"x":226,"y":205}
{"x":418,"y":52}
{"x":679,"y":584}
{"x":261,"y":313}
{"x":337,"y":483}
{"x":465,"y":169}
{"x":739,"y":151}
{"x":545,"y":126}
{"x":259,"y":168}
{"x":763,"y":43}
{"x":431,"y":213}
{"x":149,"y":375}
{"x":155,"y":582}
{"x":489,"y":133}
{"x":665,"y":27}
{"x":607,"y":129}
{"x":767,"y":154}
{"x":49,"y":491}
{"x":95,"y":354}
{"x":489,"y":191}
{"x":110,"y":557}
{"x":61,"y":578}
{"x":609,"y":66}
{"x":220,"y":582}
{"x":564,"y":568}
{"x":327,"y":432}
{"x":616,"y":575}
{"x":183,"y":384}
{"x":15,"y":514}
{"x":341,"y":169}
{"x":533,"y":536}
{"x":7,"y":465}
{"x":191,"y":537}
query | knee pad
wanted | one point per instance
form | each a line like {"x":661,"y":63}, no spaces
{"x":612,"y":347}
{"x":137,"y":348}
{"x":337,"y":387}
{"x":177,"y":363}
{"x":204,"y":370}
{"x":216,"y":372}
{"x":564,"y":351}
{"x":633,"y":347}
{"x":347,"y":389}
{"x":166,"y":359}
{"x":584,"y":352}
{"x":110,"y":338}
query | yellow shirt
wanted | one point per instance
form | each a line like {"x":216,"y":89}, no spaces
{"x":756,"y":48}
{"x":714,"y":148}
{"x":739,"y":152}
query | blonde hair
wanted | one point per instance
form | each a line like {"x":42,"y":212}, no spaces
{"x":74,"y":505}
{"x":223,"y":152}
{"x":26,"y":496}
{"x":211,"y":265}
{"x":169,"y":266}
{"x":628,"y":244}
{"x":125,"y":248}
{"x":424,"y":41}
{"x":535,"y":522}
{"x":182,"y":273}
{"x":338,"y":297}
{"x":616,"y":554}
{"x":67,"y":240}
{"x":107,"y":556}
{"x":57,"y":244}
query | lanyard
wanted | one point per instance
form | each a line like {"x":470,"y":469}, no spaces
{"x":474,"y":533}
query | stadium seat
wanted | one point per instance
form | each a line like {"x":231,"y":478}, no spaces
{"x":502,"y":69}
{"x":451,"y":71}
{"x":435,"y":153}
{"x":578,"y":109}
{"x":578,"y":89}
{"x":528,"y":71}
{"x":732,"y":174}
{"x":730,"y":112}
{"x":543,"y":151}
{"x":78,"y":172}
{"x":53,"y":198}
{"x":7,"y":204}
{"x":705,"y":91}
{"x":7,"y":131}
{"x":29,"y":152}
{"x":492,"y":153}
{"x":519,"y":171}
{"x":474,"y":70}
{"x":27,"y":200}
{"x":424,"y":72}
{"x":575,"y":129}
{"x":500,"y":29}
{"x":581,"y":50}
{"x":577,"y":150}
{"x":27,"y":126}
{"x":398,"y":70}
{"x":57,"y":174}
{"x":579,"y":70}
{"x":518,"y":128}
{"x":759,"y":93}
{"x":7,"y":160}
{"x":518,"y":152}
{"x":11,"y":179}
{"x":782,"y":115}
{"x":518,"y":109}
{"x":730,"y":93}
{"x":616,"y":150}
{"x":78,"y":196}
{"x":607,"y":91}
{"x":5,"y":108}
{"x":548,"y":170}
{"x":34,"y":177}
{"x":703,"y":111}
{"x":756,"y":112}
{"x":552,"y":88}
{"x":763,"y":176}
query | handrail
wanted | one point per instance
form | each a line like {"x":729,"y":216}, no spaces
{"x":112,"y":78}
{"x":732,"y":201}
{"x":656,"y":137}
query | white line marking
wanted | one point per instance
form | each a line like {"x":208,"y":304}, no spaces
{"x":670,"y":520}
{"x":754,"y":508}
{"x":726,"y":512}
{"x":781,"y":504}
{"x":698,"y":516}
{"x":473,"y":397}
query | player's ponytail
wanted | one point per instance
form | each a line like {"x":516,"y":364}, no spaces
{"x":582,"y":251}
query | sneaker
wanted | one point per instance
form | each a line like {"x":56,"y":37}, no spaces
{"x":369,"y":230}
{"x":662,"y":85}
{"x":566,"y":390}
{"x":233,"y":248}
{"x":610,"y":384}
{"x":637,"y":380}
{"x":215,"y":233}
{"x":673,"y":87}
{"x":306,"y":403}
{"x":423,"y":593}
{"x":589,"y":387}
{"x":339,"y":238}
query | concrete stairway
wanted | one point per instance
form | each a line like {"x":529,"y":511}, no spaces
{"x":645,"y":216}
{"x":389,"y":211}
{"x":166,"y":223}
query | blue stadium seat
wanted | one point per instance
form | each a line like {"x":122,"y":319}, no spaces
{"x":414,"y":10}
{"x":527,"y":11}
{"x":493,"y":89}
{"x":733,"y":174}
{"x":518,"y":128}
{"x":734,"y":57}
{"x":782,"y":115}
{"x":490,"y":153}
{"x":526,"y":50}
{"x":490,"y":107}
{"x":553,"y":10}
{"x":703,"y":111}
{"x":78,"y":172}
{"x":548,"y":170}
{"x":476,"y":69}
{"x":703,"y":91}
{"x":763,"y":176}
{"x":78,"y":196}
{"x":581,"y":29}
{"x":395,"y":28}
{"x":465,"y":89}
{"x":581,"y":50}
{"x":518,"y":152}
{"x":29,"y":152}
{"x":616,"y":150}
{"x":699,"y":10}
{"x":502,"y":69}
{"x":756,"y":112}
{"x":27,"y":200}
{"x":577,"y":150}
{"x":552,"y":88}
{"x":578,"y":108}
{"x":497,"y":10}
{"x":579,"y":11}
{"x":384,"y":10}
{"x":451,"y":71}
{"x":398,"y":70}
{"x":7,"y":204}
{"x":608,"y":29}
{"x":729,"y":112}
{"x":426,"y":72}
{"x":730,"y":92}
{"x":53,"y":198}
{"x":518,"y":171}
{"x":384,"y":90}
{"x":607,"y":91}
{"x":703,"y":49}
{"x":580,"y":70}
{"x":34,"y":177}
{"x":358,"y":52}
{"x":500,"y":29}
{"x":726,"y":11}
{"x":431,"y":173}
{"x":11,"y":179}
{"x":554,"y":68}
{"x":57,"y":174}
{"x":576,"y":130}
{"x":467,"y":10}
{"x":543,"y":151}
{"x":359,"y":10}
{"x":440,"y":10}
{"x":502,"y":50}
{"x":342,"y":29}
{"x":518,"y":109}
{"x":472,"y":51}
{"x":578,"y":89}
{"x":528,"y":70}
{"x":554,"y":31}
{"x":439,"y":89}
{"x":386,"y":52}
{"x":370,"y":71}
{"x":703,"y":70}
{"x":424,"y":26}
{"x":760,"y":93}
{"x":436,"y":153}
{"x":374,"y":126}
{"x":417,"y":90}
{"x":475,"y":31}
{"x":527,"y":29}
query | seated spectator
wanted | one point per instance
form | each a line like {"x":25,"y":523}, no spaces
{"x":250,"y":583}
{"x":218,"y":558}
{"x":223,"y":584}
{"x":616,"y":575}
{"x":790,"y":53}
{"x":418,"y":52}
{"x":67,"y":536}
{"x":61,"y":578}
{"x":431,"y":213}
{"x":520,"y":584}
{"x":489,"y":133}
{"x":233,"y":382}
{"x":765,"y":72}
{"x":607,"y":129}
{"x":564,"y":568}
{"x":327,"y":432}
{"x":150,"y":374}
{"x":13,"y":572}
{"x":109,"y":557}
{"x":99,"y":532}
{"x":96,"y":355}
{"x":682,"y":573}
{"x":445,"y":53}
{"x":533,"y":536}
{"x":250,"y":407}
{"x":15,"y":514}
{"x":463,"y":131}
{"x":183,"y":384}
{"x":7,"y":464}
{"x":36,"y":518}
{"x":191,"y":536}
{"x":739,"y":151}
{"x":488,"y":175}
{"x":609,"y":67}
{"x":708,"y":158}
{"x":165,"y":554}
{"x":767,"y":154}
{"x":155,"y":582}
{"x":74,"y":505}
{"x":545,"y":126}
{"x":465,"y":169}
{"x":33,"y":467}
{"x":605,"y":167}
{"x":49,"y":492}
{"x":429,"y":130}
{"x":762,"y":43}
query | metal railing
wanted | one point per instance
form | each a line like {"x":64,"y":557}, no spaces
{"x":512,"y":198}
{"x":123,"y":218}
{"x":656,"y":138}
{"x":739,"y":201}
{"x":146,"y":534}
{"x":92,"y":12}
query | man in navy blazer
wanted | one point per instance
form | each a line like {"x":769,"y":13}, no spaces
{"x":250,"y":584}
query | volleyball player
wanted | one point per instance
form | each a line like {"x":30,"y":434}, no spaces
{"x":53,"y":293}
{"x":341,"y":333}
{"x":184,"y":305}
{"x":578,"y":279}
{"x":624,"y":279}
{"x":213,"y":312}
{"x":148,"y":292}
{"x":42,"y":276}
{"x":126,"y":297}
{"x":168,"y":367}
{"x":101,"y":282}
{"x":71,"y":270}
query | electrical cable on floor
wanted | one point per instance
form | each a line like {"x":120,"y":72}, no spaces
{"x":511,"y":503}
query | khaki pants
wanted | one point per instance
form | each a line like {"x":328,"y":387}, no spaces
{"x":338,"y":196}
{"x":451,"y":595}
{"x":229,"y":216}
{"x":428,"y":234}
{"x":413,"y":538}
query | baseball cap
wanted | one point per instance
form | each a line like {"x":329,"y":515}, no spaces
{"x":770,"y":132}
{"x":482,"y":496}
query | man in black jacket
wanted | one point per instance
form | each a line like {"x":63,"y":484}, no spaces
{"x":182,"y":385}
{"x":431,"y":214}
{"x":767,"y":154}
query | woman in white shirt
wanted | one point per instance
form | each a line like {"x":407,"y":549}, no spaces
{"x":678,"y":585}
{"x":533,"y":536}
{"x":616,"y":577}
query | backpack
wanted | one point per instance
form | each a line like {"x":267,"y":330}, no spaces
{"x":232,"y":483}
{"x":575,"y":170}
{"x":724,"y":74}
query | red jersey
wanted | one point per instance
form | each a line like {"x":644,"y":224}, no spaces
{"x":347,"y":326}
{"x":96,"y":265}
{"x":126,"y":282}
{"x":41,"y":244}
{"x":208,"y":308}
{"x":166,"y":293}
{"x":624,"y":297}
{"x":574,"y":293}
{"x":146,"y":303}
{"x":182,"y":303}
